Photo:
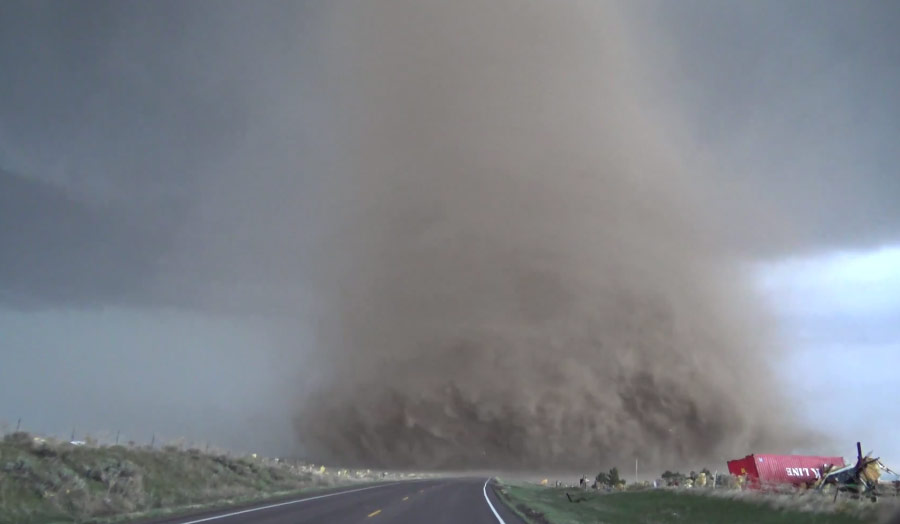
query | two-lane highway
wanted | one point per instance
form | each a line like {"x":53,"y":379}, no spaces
{"x":440,"y":501}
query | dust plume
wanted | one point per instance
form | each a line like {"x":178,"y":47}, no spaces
{"x":518,"y":269}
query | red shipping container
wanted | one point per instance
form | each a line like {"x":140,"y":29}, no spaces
{"x":781,"y":469}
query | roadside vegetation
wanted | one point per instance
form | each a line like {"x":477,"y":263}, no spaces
{"x":48,"y":481}
{"x":569,"y":505}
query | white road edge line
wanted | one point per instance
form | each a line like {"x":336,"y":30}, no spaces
{"x":484,"y":489}
{"x":226,"y":515}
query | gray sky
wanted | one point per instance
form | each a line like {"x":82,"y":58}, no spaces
{"x":794,"y":106}
{"x":159,"y":164}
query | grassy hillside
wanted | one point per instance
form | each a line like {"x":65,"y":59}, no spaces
{"x":543,"y":505}
{"x":44,"y":481}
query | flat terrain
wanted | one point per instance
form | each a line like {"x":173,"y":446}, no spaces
{"x":542,"y":505}
{"x":44,"y":481}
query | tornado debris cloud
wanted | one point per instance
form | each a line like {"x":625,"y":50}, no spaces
{"x":517,"y":269}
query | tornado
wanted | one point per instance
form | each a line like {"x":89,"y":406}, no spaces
{"x":517,"y":265}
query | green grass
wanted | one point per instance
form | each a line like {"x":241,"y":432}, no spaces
{"x":46,"y":481}
{"x":540,"y":505}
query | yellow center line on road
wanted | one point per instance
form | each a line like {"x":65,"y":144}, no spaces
{"x":376,"y":512}
{"x":406,"y":497}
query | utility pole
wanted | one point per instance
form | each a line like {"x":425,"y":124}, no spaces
{"x":18,"y":424}
{"x":635,"y":469}
{"x":117,"y":437}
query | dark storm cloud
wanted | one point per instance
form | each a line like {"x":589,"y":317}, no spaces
{"x":127,"y":125}
{"x":795,"y":106}
{"x":56,"y":250}
{"x":791,"y":109}
{"x":112,"y":99}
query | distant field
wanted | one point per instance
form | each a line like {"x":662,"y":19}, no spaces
{"x":543,"y":505}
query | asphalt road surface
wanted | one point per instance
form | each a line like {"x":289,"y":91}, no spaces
{"x":439,"y":501}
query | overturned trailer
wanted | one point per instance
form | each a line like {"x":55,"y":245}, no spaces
{"x":762,"y":470}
